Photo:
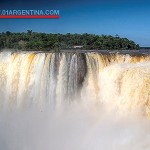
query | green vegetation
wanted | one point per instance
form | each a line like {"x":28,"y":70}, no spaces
{"x":42,"y":41}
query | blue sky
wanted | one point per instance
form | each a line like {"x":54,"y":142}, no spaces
{"x":127,"y":18}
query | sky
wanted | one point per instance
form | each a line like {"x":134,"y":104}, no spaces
{"x":127,"y":18}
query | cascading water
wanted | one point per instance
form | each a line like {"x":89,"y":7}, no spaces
{"x":96,"y":85}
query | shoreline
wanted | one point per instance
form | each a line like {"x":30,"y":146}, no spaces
{"x":124,"y":52}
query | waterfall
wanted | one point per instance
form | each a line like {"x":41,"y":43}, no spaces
{"x":75,"y":101}
{"x":50,"y":79}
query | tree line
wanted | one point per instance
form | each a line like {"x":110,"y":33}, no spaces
{"x":42,"y":41}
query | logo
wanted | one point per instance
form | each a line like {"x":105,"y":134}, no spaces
{"x":29,"y":14}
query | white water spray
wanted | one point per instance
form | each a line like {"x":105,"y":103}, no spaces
{"x":74,"y":101}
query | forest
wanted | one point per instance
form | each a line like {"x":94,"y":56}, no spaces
{"x":30,"y":40}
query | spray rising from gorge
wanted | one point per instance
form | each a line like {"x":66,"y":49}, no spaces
{"x":79,"y":86}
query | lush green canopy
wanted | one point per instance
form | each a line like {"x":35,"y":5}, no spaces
{"x":42,"y":41}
